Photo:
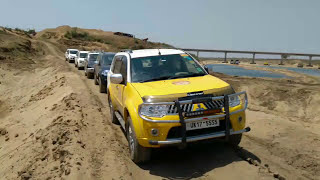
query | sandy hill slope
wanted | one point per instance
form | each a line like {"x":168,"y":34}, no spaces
{"x":18,"y":50}
{"x":93,"y":39}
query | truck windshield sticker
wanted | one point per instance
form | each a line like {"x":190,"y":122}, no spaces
{"x":181,"y":83}
{"x":188,"y":57}
{"x":199,"y":69}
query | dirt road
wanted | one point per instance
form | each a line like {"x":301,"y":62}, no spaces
{"x":55,"y":124}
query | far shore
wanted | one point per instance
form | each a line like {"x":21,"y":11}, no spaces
{"x":270,"y":62}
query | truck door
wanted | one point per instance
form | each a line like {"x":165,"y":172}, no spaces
{"x":115,"y":88}
{"x":97,"y":66}
{"x":122,"y":86}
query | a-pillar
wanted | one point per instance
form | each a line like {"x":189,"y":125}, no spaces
{"x":253,"y":58}
{"x":310,"y":59}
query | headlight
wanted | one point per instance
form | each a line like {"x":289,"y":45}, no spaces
{"x":154,"y":110}
{"x":105,"y":73}
{"x":234,"y":101}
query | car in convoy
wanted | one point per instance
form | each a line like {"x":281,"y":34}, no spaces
{"x":71,"y":55}
{"x":89,"y":63}
{"x":101,"y":70}
{"x":79,"y":61}
{"x":237,"y":61}
{"x":164,"y":97}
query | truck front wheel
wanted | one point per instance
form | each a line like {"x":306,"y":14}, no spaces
{"x":234,"y":140}
{"x":102,"y":87}
{"x":95,"y":79}
{"x":114,"y":118}
{"x":90,"y":75}
{"x":138,"y":154}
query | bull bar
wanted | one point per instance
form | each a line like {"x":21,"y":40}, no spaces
{"x":226,"y":114}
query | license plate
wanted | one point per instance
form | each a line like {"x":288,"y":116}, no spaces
{"x":202,"y":124}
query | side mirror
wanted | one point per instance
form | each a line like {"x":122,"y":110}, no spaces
{"x":116,"y":78}
{"x":206,"y":68}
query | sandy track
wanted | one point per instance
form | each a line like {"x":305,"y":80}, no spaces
{"x":64,"y":131}
{"x":199,"y":161}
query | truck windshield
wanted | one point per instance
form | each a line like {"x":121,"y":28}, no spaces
{"x":107,"y":59}
{"x":83,"y":55}
{"x":164,"y":67}
{"x":93,"y":57}
{"x":73,"y":52}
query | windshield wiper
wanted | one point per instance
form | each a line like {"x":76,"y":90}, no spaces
{"x":187,"y":75}
{"x":156,"y":79}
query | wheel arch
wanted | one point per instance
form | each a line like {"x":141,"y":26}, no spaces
{"x":126,"y":114}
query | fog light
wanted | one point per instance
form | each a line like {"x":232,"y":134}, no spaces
{"x":240,"y":119}
{"x":154,"y":132}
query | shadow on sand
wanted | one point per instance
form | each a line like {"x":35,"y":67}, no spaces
{"x":195,"y":160}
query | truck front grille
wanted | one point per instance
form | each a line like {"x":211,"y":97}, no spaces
{"x":217,"y":104}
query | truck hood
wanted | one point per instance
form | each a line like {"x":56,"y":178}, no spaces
{"x":103,"y":68}
{"x":181,"y":87}
{"x":91,"y":63}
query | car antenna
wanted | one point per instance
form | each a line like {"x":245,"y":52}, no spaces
{"x":159,"y":51}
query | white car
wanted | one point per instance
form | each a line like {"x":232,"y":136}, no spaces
{"x":71,"y":55}
{"x":79,"y":61}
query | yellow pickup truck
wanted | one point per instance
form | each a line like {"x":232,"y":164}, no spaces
{"x":164,"y":97}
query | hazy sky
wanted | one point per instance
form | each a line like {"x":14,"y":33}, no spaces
{"x":264,"y":25}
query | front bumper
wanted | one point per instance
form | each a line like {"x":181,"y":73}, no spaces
{"x":90,"y":70}
{"x":80,"y":64}
{"x":198,"y":138}
{"x":72,"y":58}
{"x":104,"y":80}
{"x":183,"y":139}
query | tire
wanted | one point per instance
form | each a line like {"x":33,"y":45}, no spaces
{"x":79,"y":68}
{"x":102,"y":87}
{"x":234,"y":140}
{"x":138,"y":153}
{"x":89,"y":75}
{"x":114,"y":118}
{"x":95,"y":79}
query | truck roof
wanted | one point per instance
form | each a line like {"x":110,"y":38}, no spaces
{"x":153,"y":52}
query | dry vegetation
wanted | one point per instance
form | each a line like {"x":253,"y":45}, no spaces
{"x":91,"y":39}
